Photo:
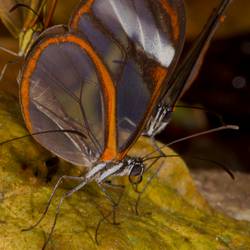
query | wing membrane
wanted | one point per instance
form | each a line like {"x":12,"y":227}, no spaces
{"x":64,"y":94}
{"x":139,"y":41}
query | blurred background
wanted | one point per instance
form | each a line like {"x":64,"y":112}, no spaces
{"x":223,"y":87}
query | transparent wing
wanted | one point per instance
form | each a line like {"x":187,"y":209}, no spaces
{"x":140,"y":42}
{"x":60,"y":90}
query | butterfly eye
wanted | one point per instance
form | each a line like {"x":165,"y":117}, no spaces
{"x":136,"y":173}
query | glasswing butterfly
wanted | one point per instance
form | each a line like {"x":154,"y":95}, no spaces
{"x":87,"y":92}
{"x":81,"y":87}
{"x":26,"y":19}
{"x":109,"y":68}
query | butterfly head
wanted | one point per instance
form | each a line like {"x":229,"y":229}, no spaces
{"x":136,"y":168}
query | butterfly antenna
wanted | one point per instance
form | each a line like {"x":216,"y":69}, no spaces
{"x":156,"y":158}
{"x":222,"y":166}
{"x":224,"y":127}
{"x":210,"y":131}
{"x":163,"y":155}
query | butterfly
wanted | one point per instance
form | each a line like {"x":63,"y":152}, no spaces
{"x":87,"y":92}
{"x":71,"y":80}
{"x":81,"y":87}
{"x":26,"y":19}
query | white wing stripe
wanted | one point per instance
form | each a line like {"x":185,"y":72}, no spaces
{"x":139,"y":24}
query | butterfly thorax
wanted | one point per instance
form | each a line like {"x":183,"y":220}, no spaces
{"x":129,"y":166}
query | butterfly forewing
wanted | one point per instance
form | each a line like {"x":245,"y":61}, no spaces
{"x":61,"y":90}
{"x":139,"y":41}
{"x":104,"y":81}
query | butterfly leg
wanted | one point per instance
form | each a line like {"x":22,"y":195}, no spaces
{"x":150,"y":178}
{"x":3,"y":71}
{"x":114,"y":205}
{"x":105,"y":217}
{"x":83,"y":182}
{"x":110,"y":198}
{"x":59,"y":182}
{"x":9,"y":51}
